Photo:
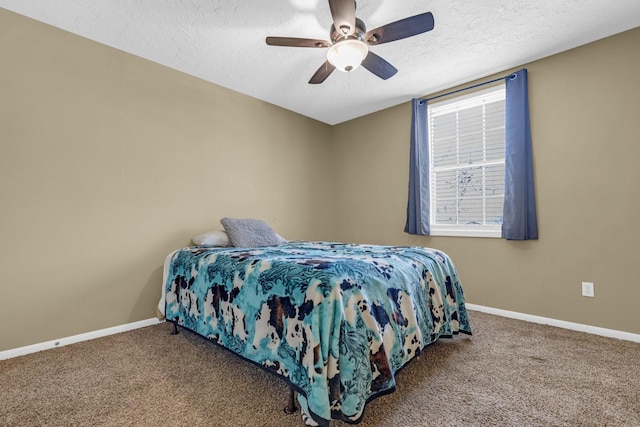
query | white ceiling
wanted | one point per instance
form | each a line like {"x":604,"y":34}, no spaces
{"x":223,"y":41}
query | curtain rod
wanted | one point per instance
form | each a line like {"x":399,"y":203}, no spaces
{"x":512,"y":76}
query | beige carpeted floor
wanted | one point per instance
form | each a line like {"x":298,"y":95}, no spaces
{"x":509,"y":373}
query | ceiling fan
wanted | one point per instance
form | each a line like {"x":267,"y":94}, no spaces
{"x":350,"y":41}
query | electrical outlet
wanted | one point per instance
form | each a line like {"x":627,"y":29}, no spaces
{"x":588,"y":289}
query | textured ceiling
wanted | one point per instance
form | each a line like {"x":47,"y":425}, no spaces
{"x":224,"y":42}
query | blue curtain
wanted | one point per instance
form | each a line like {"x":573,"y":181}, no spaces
{"x":418,"y":204}
{"x":519,"y":215}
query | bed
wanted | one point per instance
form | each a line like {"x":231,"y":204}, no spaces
{"x":336,"y":321}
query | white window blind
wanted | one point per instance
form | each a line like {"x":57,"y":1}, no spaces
{"x":467,"y":149}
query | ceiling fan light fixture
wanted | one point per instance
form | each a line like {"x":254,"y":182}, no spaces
{"x":347,"y":55}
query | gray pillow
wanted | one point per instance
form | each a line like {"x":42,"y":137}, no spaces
{"x":250,"y":233}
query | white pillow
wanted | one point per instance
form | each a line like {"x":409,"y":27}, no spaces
{"x":211,"y":238}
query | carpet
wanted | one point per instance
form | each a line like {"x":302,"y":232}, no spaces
{"x":509,"y":373}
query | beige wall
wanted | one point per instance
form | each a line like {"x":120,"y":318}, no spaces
{"x":108,"y":162}
{"x":585,"y":109}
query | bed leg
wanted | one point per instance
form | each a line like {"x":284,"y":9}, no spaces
{"x":175,"y":329}
{"x":291,"y":403}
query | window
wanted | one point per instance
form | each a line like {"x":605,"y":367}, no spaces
{"x":466,"y":155}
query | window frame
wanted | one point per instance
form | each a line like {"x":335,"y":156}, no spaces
{"x":479,"y":97}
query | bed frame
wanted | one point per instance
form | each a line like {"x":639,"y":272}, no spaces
{"x":290,"y":407}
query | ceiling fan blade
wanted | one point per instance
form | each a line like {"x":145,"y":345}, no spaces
{"x":401,"y":29}
{"x":379,"y":66}
{"x":323,"y":72}
{"x":344,"y":15}
{"x":296,"y":42}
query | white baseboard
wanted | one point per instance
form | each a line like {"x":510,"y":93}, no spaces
{"x":21,"y":351}
{"x":611,"y":333}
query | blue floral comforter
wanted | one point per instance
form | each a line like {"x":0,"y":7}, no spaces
{"x":337,"y":321}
